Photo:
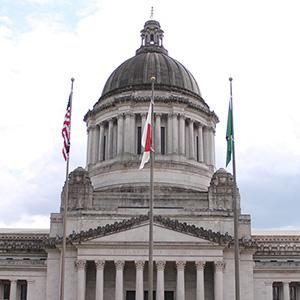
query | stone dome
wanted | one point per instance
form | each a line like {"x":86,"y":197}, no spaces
{"x":151,"y":59}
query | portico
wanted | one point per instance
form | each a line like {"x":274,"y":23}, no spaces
{"x":115,"y":266}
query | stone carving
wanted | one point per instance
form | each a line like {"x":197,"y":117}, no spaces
{"x":119,"y":264}
{"x":160,"y":265}
{"x":219,"y":265}
{"x":139,"y":264}
{"x":100,"y":264}
{"x":80,"y":190}
{"x":222,"y":190}
{"x":23,"y":243}
{"x":180,"y":265}
{"x":80,"y":264}
{"x":199,"y":105}
{"x":200,"y":265}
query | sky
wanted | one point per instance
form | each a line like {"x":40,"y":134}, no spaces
{"x":43,"y":43}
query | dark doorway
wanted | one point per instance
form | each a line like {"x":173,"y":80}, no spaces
{"x":130,"y":295}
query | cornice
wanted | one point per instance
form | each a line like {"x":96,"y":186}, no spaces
{"x":198,"y":104}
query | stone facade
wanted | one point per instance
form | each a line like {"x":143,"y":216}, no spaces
{"x":108,"y":202}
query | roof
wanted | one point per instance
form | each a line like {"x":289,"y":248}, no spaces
{"x":151,"y":59}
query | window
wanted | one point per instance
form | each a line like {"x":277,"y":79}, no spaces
{"x":6,"y":290}
{"x":23,"y":291}
{"x":139,"y":140}
{"x":163,"y":140}
{"x":293,"y":292}
{"x":277,"y":291}
{"x":130,"y":295}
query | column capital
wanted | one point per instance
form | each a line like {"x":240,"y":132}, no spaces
{"x":160,"y":265}
{"x":80,"y":264}
{"x":120,"y":115}
{"x":139,"y":264}
{"x":100,"y":264}
{"x":200,"y":265}
{"x":91,"y":127}
{"x":119,"y":264}
{"x":268,"y":283}
{"x":219,"y":265}
{"x":180,"y":265}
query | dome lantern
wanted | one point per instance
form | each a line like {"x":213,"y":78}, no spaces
{"x":152,"y":38}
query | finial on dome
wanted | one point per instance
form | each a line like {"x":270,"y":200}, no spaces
{"x":152,"y":13}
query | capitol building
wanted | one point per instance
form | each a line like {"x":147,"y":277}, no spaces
{"x":107,"y":215}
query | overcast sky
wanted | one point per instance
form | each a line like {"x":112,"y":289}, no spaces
{"x":43,"y":43}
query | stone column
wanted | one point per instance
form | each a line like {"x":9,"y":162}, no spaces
{"x":180,"y":291}
{"x":120,"y":134}
{"x":119,"y":279}
{"x":88,"y":151}
{"x":169,"y":135}
{"x":132,"y":134}
{"x":30,"y":289}
{"x":93,"y":144}
{"x":175,"y":133}
{"x":110,"y":139}
{"x":81,"y":277}
{"x":13,"y":290}
{"x":160,"y":280}
{"x":191,"y":140}
{"x":181,"y":134}
{"x":200,"y":280}
{"x":286,"y":290}
{"x":101,"y":141}
{"x":200,"y":141}
{"x":157,"y":133}
{"x":219,"y":267}
{"x":206,"y":154}
{"x":99,"y":279}
{"x":213,"y":148}
{"x":127,"y":134}
{"x":269,"y":290}
{"x":139,"y":282}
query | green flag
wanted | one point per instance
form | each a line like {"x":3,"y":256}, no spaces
{"x":229,"y":133}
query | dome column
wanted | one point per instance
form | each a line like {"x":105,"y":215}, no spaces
{"x":127,"y":133}
{"x":120,"y":134}
{"x":169,"y":135}
{"x":191,"y":139}
{"x":181,"y":134}
{"x":200,"y":143}
{"x":101,"y":141}
{"x":157,"y":133}
{"x":110,"y":139}
{"x":206,"y":148}
{"x":175,"y":133}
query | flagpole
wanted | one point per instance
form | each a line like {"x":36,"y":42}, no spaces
{"x":235,"y":212}
{"x":150,"y":265}
{"x":65,"y":203}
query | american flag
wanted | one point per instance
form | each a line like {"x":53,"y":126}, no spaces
{"x":66,"y":130}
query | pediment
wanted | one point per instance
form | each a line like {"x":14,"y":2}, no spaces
{"x":140,"y":234}
{"x":136,"y":229}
